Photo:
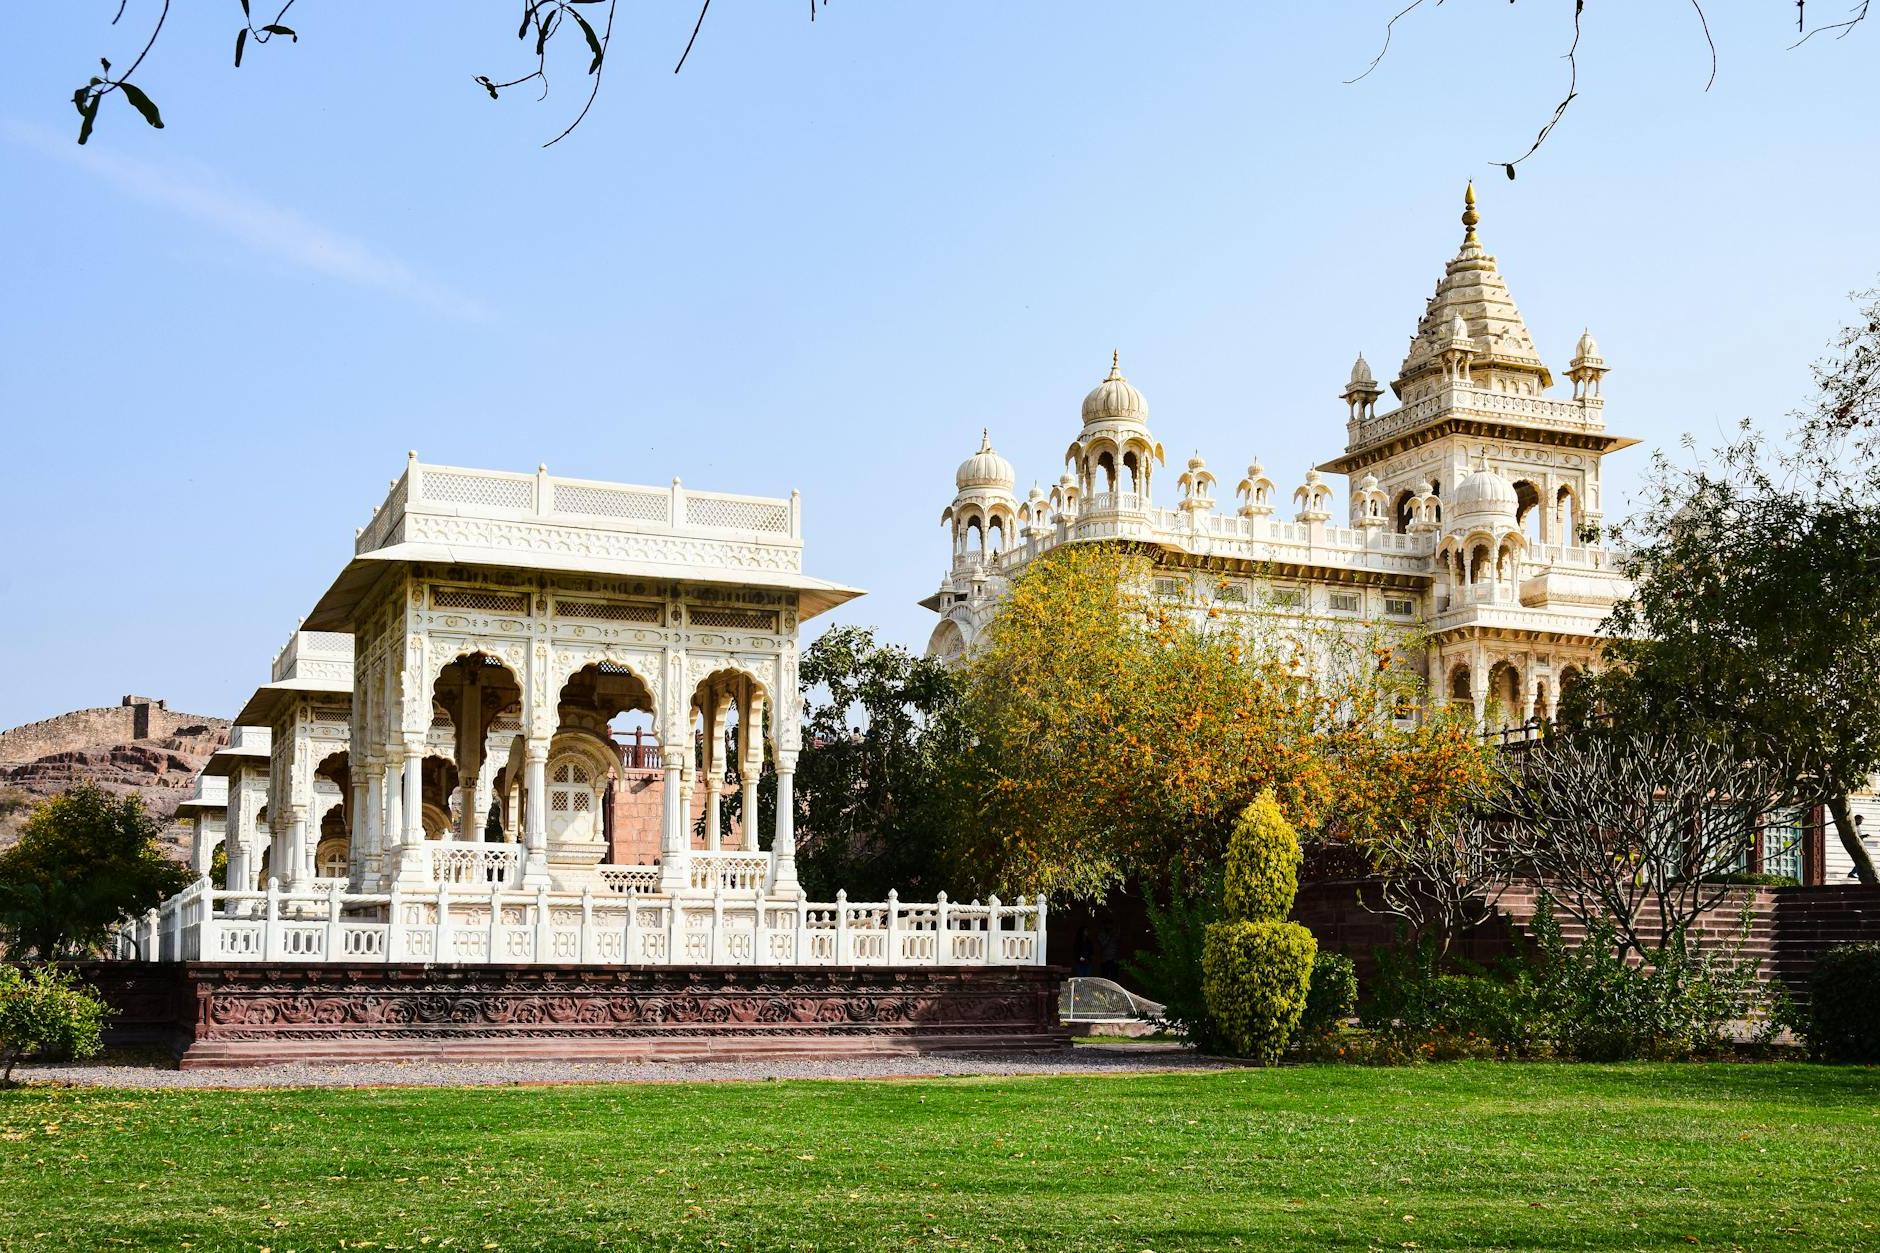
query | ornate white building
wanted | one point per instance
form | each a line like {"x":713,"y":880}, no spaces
{"x":1474,"y":509}
{"x":422,"y":779}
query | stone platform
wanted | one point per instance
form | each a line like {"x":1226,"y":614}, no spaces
{"x":210,"y":1014}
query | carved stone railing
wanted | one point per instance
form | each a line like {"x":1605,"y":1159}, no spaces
{"x":472,"y":862}
{"x":733,"y":872}
{"x":470,"y":926}
{"x":624,"y":879}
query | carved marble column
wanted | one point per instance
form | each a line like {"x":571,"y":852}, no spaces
{"x":411,"y":868}
{"x":783,"y":840}
{"x":535,"y":813}
{"x":368,"y":829}
{"x":673,"y":862}
{"x":750,"y":760}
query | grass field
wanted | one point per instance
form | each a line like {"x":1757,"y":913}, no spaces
{"x":1464,"y":1155}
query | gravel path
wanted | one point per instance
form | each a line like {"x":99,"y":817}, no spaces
{"x":1081,"y":1060}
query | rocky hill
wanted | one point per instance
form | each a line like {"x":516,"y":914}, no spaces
{"x":136,"y":746}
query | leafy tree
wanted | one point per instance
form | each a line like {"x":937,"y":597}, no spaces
{"x":47,"y":1013}
{"x":85,"y":862}
{"x":1117,"y":737}
{"x":875,"y":796}
{"x":1755,"y":620}
{"x":875,"y":788}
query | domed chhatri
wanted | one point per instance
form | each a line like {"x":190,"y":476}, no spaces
{"x":1115,"y":399}
{"x":1484,"y":494}
{"x":1361,"y":372}
{"x":985,"y":469}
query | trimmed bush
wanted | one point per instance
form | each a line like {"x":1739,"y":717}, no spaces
{"x":47,"y":1014}
{"x":1255,"y":975}
{"x":1262,"y":875}
{"x":1255,"y":966}
{"x":1843,"y":1020}
{"x":1331,"y":996}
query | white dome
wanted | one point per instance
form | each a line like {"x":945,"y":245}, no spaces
{"x":1587,"y":349}
{"x":1114,"y":400}
{"x":1361,"y":372}
{"x":984,"y":469}
{"x":1483,"y":494}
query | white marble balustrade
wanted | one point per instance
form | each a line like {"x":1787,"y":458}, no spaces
{"x":493,"y":924}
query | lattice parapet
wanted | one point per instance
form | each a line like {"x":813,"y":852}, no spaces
{"x":540,"y":506}
{"x":315,"y":655}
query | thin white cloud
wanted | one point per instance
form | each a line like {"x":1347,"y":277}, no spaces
{"x":282,"y":234}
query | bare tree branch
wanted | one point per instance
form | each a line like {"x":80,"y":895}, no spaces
{"x":1573,"y":83}
{"x":1843,"y":29}
{"x":1389,"y":27}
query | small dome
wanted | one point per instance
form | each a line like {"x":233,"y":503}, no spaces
{"x":1458,"y":329}
{"x":1484,"y":494}
{"x":1114,"y":400}
{"x":1588,"y":346}
{"x":1361,"y":373}
{"x":984,"y":469}
{"x":1256,"y":470}
{"x":1196,"y":463}
{"x":1037,"y":494}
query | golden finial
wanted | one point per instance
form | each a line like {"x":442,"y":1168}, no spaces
{"x":1116,"y":365}
{"x":1469,"y":216}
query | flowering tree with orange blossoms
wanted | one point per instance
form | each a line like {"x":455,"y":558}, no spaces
{"x":1117,"y":737}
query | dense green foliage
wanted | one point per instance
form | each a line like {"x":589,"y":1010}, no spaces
{"x":876,"y":782}
{"x":44,"y":1013}
{"x":1463,"y":1156}
{"x":1583,"y":1001}
{"x":85,"y":862}
{"x":1254,"y":975}
{"x":1843,"y":1019}
{"x":1170,"y":970}
{"x":1261,"y":878}
{"x":1332,"y":994}
{"x":1255,"y":966}
{"x":878,"y":779}
{"x":1118,"y":735}
{"x":1755,"y":612}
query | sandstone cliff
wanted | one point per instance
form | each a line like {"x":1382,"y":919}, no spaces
{"x":136,"y":746}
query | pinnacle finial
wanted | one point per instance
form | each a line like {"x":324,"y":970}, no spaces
{"x":985,"y":439}
{"x":1469,"y":216}
{"x":1116,"y":365}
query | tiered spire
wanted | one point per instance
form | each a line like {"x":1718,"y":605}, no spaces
{"x":1472,"y":293}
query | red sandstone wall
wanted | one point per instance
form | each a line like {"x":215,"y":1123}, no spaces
{"x":638,"y":799}
{"x":1809,"y":921}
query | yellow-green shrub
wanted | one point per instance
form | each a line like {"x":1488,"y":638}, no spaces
{"x":1262,"y":873}
{"x":1256,"y":966}
{"x":1254,"y":975}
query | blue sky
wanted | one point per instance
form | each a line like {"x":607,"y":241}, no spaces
{"x":823,"y":258}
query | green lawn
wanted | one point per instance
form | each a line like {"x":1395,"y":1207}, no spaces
{"x":1475,"y":1155}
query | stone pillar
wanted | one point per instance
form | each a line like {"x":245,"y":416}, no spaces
{"x":783,"y":841}
{"x":751,"y":732}
{"x":369,"y":829}
{"x":298,"y":856}
{"x":411,"y":868}
{"x":392,"y":830}
{"x":673,"y":842}
{"x":469,"y":754}
{"x":535,"y":813}
{"x":355,"y":828}
{"x":1529,"y":698}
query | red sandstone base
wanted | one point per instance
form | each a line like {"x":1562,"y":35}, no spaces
{"x":219,"y":1015}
